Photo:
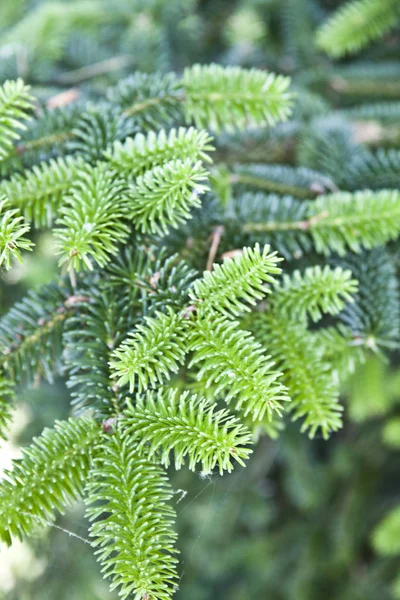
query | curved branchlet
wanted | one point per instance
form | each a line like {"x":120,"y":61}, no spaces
{"x":133,"y":530}
{"x":13,"y":230}
{"x":183,"y":425}
{"x":48,"y":478}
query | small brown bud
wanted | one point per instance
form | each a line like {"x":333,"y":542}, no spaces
{"x":108,"y":425}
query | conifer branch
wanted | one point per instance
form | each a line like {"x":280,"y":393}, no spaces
{"x":31,"y":333}
{"x":15,"y":105}
{"x":50,"y":476}
{"x":92,"y":220}
{"x":12,"y":235}
{"x":186,"y":425}
{"x":38,"y":193}
{"x":231,"y":359}
{"x":151,"y":353}
{"x":164,"y":196}
{"x":6,"y":400}
{"x":132,"y":532}
{"x":356,"y":24}
{"x":314,"y":292}
{"x":142,"y":153}
{"x":234,"y":98}
{"x":239,"y":282}
{"x":311,"y":388}
{"x":339,"y":221}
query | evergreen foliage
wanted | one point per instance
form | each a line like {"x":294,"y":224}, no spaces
{"x":15,"y":104}
{"x":186,"y":425}
{"x":135,"y":541}
{"x":12,"y":235}
{"x":47,"y":478}
{"x":357,"y":23}
{"x":183,"y":337}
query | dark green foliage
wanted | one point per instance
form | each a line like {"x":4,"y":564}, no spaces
{"x":374,"y":315}
{"x":30,"y":334}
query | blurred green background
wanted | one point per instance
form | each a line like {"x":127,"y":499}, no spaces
{"x":296,"y":524}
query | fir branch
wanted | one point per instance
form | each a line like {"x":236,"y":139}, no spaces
{"x":91,"y":333}
{"x":234,"y":98}
{"x":186,"y":425}
{"x":373,"y":170}
{"x":166,"y":283}
{"x":314,"y":292}
{"x":238,"y":282}
{"x":50,"y":476}
{"x":152,"y":100}
{"x":299,"y":182}
{"x":374,"y":316}
{"x":231,"y":359}
{"x":313,"y":393}
{"x":7,"y":396}
{"x":92,"y":219}
{"x":39,"y":192}
{"x":260,"y":218}
{"x":143,"y":152}
{"x":15,"y":105}
{"x":151,"y":353}
{"x":341,"y":349}
{"x":134,"y":539}
{"x":211,"y":96}
{"x":164,"y":196}
{"x":30,"y":333}
{"x":343,"y":220}
{"x":12,"y":235}
{"x":356,"y":24}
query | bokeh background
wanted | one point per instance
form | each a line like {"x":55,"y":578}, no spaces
{"x":298,"y":523}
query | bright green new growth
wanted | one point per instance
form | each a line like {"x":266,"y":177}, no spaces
{"x":12,"y":235}
{"x":335,"y":222}
{"x":356,"y":24}
{"x":15,"y":105}
{"x":133,"y":532}
{"x":92,"y":220}
{"x":232,"y":362}
{"x":234,"y":98}
{"x":317,"y":291}
{"x":50,"y":476}
{"x":6,"y":402}
{"x":142,"y":153}
{"x":186,"y":426}
{"x":151,"y":353}
{"x":237,"y":283}
{"x":164,"y":196}
{"x":386,"y":536}
{"x":39,"y":192}
{"x":363,"y":219}
{"x":309,"y":380}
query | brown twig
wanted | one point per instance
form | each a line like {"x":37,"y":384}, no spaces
{"x":215,"y":240}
